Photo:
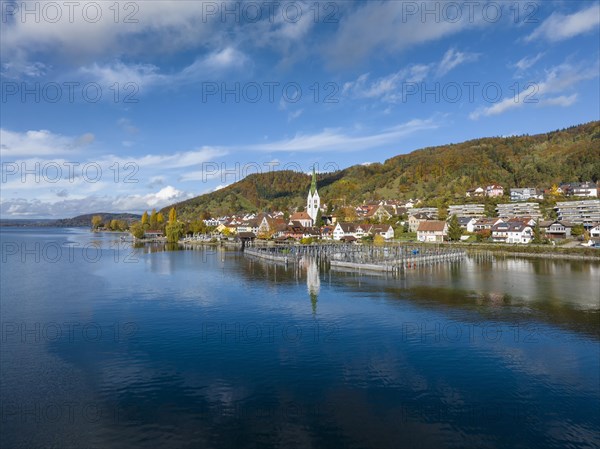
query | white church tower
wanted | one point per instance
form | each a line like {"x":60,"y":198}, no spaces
{"x":313,"y":202}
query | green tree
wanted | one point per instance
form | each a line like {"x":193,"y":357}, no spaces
{"x":319,"y":220}
{"x":577,"y":230}
{"x":538,"y":238}
{"x":114,"y":225}
{"x":137,"y":230}
{"x":454,"y":229}
{"x":96,"y":221}
{"x":378,"y":240}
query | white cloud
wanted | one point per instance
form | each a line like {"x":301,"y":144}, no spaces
{"x":452,"y":59}
{"x":558,"y":80}
{"x":377,"y":28}
{"x":559,"y":27}
{"x":225,"y":59}
{"x":388,"y":88}
{"x":35,"y":207}
{"x":525,"y":63}
{"x":141,"y":75}
{"x":562,"y":100}
{"x":140,"y":27}
{"x":17,"y":69}
{"x":181,"y":159}
{"x":40,"y":142}
{"x":145,"y":76}
{"x":336,"y":140}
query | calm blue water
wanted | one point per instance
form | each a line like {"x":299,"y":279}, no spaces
{"x":106,"y":346}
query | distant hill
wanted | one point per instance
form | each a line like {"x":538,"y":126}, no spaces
{"x":75,"y":222}
{"x":86,"y":220}
{"x":443,"y":172}
{"x":25,"y":222}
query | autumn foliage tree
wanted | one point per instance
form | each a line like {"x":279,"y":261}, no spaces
{"x":174,"y":229}
{"x":96,"y":221}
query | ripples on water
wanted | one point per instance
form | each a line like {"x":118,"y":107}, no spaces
{"x":121,"y":347}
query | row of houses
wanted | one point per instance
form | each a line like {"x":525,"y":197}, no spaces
{"x":489,"y":191}
{"x":513,"y":230}
{"x":580,"y":189}
{"x":584,"y":212}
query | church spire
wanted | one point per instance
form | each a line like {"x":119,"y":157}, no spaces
{"x":313,"y":184}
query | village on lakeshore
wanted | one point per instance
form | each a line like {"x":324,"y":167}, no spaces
{"x":565,"y":214}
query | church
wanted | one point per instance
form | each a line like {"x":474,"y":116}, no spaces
{"x":313,"y":202}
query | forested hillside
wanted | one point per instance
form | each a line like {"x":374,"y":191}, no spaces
{"x":439,"y":174}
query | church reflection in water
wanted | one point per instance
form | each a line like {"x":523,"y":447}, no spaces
{"x":313,"y":281}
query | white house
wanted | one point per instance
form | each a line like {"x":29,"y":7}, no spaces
{"x":477,"y":191}
{"x":512,"y":232}
{"x":527,"y":193}
{"x":494,"y":191}
{"x":386,"y":231}
{"x":467,"y":223}
{"x":342,"y":230}
{"x":432,"y":231}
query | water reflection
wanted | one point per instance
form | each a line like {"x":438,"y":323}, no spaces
{"x":313,"y":280}
{"x":215,"y":359}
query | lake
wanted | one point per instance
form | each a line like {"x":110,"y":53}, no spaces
{"x":107,"y":346}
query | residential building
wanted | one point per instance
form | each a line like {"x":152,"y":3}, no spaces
{"x":494,"y":191}
{"x":475,"y":192}
{"x":511,"y":210}
{"x":380,"y":213}
{"x":467,"y":223}
{"x":386,"y":231}
{"x":556,"y":230}
{"x":249,"y":226}
{"x":485,"y":224}
{"x":431,"y":211}
{"x":512,"y":232}
{"x":414,"y":220}
{"x":585,"y":212}
{"x":583,"y":189}
{"x":595,"y":232}
{"x":432,"y":231}
{"x":212,"y":222}
{"x":327,"y":232}
{"x":527,"y":193}
{"x":467,"y":210}
{"x":342,"y":230}
{"x":153,"y":234}
{"x":270,"y":226}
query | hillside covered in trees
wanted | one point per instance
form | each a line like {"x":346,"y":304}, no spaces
{"x":438,"y":175}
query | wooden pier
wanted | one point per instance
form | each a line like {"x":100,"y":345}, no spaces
{"x":387,"y":258}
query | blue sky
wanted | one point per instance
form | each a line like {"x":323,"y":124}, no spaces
{"x":126,"y":106}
